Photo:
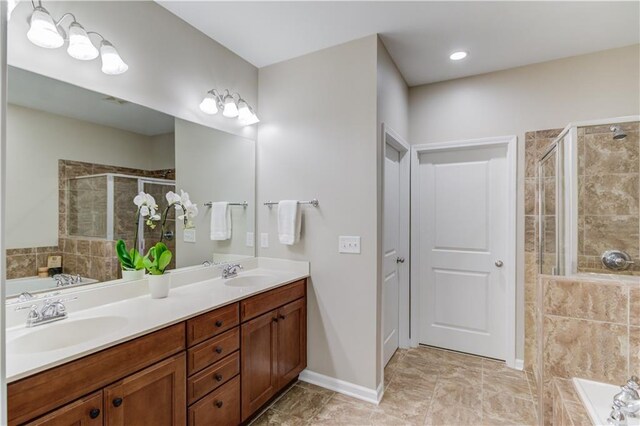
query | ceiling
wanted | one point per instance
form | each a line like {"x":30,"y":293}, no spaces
{"x":419,"y":35}
{"x":42,"y":93}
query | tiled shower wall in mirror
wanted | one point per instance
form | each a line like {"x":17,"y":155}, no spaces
{"x":84,"y":248}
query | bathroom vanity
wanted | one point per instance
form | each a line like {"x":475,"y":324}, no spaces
{"x":216,"y":366}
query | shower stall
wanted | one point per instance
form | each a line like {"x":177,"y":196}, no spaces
{"x":101,"y":206}
{"x":588,"y":199}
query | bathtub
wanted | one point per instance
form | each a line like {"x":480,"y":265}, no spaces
{"x":16,"y":286}
{"x":597,"y":398}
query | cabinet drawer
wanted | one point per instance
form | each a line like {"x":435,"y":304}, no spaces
{"x":86,"y":411}
{"x":220,"y":408}
{"x":211,"y":324}
{"x":258,"y":305}
{"x":206,"y":353}
{"x":213,"y":377}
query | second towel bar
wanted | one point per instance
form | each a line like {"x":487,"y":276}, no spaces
{"x":314,"y":203}
{"x":243,"y":204}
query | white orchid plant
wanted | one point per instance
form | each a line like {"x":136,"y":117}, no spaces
{"x":159,"y":256}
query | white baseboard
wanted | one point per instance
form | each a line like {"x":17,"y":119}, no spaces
{"x":519,"y":364}
{"x":373,"y":396}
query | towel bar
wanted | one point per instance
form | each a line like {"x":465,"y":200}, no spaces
{"x":243,"y":204}
{"x":314,"y":203}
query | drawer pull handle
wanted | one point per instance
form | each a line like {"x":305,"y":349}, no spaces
{"x":218,"y":323}
{"x":218,"y":377}
{"x":117,"y":402}
{"x":94,"y":413}
{"x":219,"y":349}
{"x":219,"y":404}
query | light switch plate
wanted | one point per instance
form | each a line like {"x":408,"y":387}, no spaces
{"x":349,"y":244}
{"x":264,"y":240}
{"x":250,"y":239}
{"x":189,"y":236}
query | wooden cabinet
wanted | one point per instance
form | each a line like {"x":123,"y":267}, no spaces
{"x":84,"y":412}
{"x":258,"y":367}
{"x":219,"y":408}
{"x":154,"y":396}
{"x":274,"y":351}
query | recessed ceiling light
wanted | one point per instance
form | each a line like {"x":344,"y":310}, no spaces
{"x":456,"y":56}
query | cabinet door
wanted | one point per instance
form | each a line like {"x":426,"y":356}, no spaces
{"x":292,"y":341}
{"x":154,"y":396}
{"x":86,"y":411}
{"x":259,"y":362}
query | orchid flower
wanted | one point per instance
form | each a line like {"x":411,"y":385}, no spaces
{"x":148,"y":208}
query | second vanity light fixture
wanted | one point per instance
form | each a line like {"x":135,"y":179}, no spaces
{"x":230,"y":106}
{"x":45,"y":32}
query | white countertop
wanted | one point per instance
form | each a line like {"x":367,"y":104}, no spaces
{"x":194,"y":291}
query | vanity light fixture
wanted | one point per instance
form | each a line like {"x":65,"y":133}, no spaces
{"x":46,"y":32}
{"x":231,"y":108}
{"x":456,"y":56}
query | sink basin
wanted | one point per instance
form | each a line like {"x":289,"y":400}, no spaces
{"x":65,"y":333}
{"x":249,"y":280}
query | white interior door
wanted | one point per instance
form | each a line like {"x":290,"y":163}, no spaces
{"x":391,"y":285}
{"x":463,"y":229}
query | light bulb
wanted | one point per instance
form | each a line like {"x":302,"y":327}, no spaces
{"x":230,"y":107}
{"x":209,"y":105}
{"x":43,"y":31}
{"x":456,"y":56}
{"x":244,"y":112}
{"x":252,"y":119}
{"x":80,"y":46}
{"x":112,"y":63}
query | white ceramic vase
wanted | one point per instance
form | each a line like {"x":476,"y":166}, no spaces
{"x":159,"y":285}
{"x":132,"y":275}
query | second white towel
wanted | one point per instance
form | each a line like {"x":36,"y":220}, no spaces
{"x":220,"y":221}
{"x":289,"y":222}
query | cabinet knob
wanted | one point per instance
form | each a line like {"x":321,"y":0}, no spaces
{"x":218,"y":323}
{"x":94,"y":413}
{"x":219,"y":404}
{"x":274,"y":319}
{"x":282,"y":317}
{"x":219,"y":349}
{"x":219,"y":377}
{"x":117,"y":402}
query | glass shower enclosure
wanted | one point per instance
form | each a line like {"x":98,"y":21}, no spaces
{"x":101,"y":206}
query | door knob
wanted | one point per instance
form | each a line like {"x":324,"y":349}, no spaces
{"x":400,"y":260}
{"x":499,"y":263}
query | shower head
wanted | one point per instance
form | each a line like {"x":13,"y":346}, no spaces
{"x":618,"y":133}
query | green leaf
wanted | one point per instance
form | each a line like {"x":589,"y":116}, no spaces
{"x":123,"y":256}
{"x":164,"y":260}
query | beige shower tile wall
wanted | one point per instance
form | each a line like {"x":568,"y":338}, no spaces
{"x":536,"y":144}
{"x":589,"y":329}
{"x":24,"y":262}
{"x":609,"y":196}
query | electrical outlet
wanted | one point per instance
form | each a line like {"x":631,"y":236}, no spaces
{"x":189,"y":235}
{"x":264,"y":240}
{"x":348,"y":244}
{"x":250,"y":239}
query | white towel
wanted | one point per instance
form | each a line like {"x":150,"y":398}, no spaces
{"x":220,"y":221}
{"x":289,"y":222}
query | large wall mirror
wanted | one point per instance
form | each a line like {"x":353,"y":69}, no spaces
{"x":77,"y":159}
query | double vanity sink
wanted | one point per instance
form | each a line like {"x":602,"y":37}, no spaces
{"x":103,"y":317}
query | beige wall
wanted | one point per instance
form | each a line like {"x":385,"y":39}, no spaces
{"x":212,"y":165}
{"x":393,"y":111}
{"x":511,"y":102}
{"x":171,"y":64}
{"x":317,"y":139}
{"x":36,"y":140}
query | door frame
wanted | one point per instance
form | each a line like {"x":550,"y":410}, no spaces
{"x":510,"y":143}
{"x":392,"y":138}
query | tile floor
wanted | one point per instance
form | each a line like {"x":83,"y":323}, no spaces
{"x":424,"y":386}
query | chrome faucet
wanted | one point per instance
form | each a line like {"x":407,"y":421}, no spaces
{"x":51,"y":310}
{"x":63,"y":280}
{"x":626,"y":403}
{"x":231,"y":270}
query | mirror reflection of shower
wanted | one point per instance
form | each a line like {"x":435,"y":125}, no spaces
{"x":618,"y":133}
